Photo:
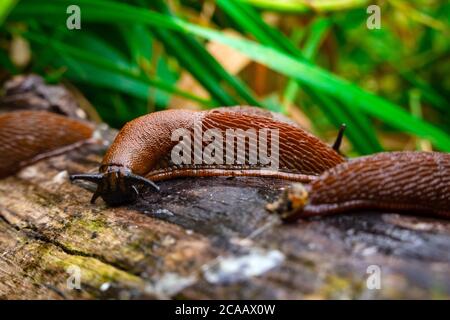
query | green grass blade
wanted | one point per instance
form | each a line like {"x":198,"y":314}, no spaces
{"x":211,"y":65}
{"x":175,"y":47}
{"x":303,"y":6}
{"x":331,"y":84}
{"x":365,"y":141}
{"x":139,"y":42}
{"x":318,"y":78}
{"x":90,"y":58}
{"x":5,"y":8}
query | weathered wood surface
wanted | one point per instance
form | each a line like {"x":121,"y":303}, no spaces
{"x":185,"y":241}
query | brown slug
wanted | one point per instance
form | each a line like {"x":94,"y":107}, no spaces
{"x":29,"y":136}
{"x":410,"y":182}
{"x":141,"y":152}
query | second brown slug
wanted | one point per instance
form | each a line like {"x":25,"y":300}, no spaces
{"x":410,"y":182}
{"x":29,"y":136}
{"x":141,"y":153}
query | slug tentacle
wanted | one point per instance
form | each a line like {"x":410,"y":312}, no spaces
{"x":138,"y":179}
{"x":118,"y":185}
{"x":96,"y":177}
{"x":95,"y":196}
{"x":337,"y":143}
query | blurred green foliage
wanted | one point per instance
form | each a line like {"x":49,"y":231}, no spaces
{"x":129,"y":56}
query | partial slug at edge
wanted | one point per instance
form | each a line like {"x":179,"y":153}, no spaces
{"x":406,"y":182}
{"x":29,"y":136}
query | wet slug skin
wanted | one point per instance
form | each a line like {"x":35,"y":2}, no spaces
{"x":143,"y":150}
{"x":404,"y":182}
{"x":29,"y":136}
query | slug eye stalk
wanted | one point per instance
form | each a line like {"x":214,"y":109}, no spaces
{"x":96,"y":178}
{"x":141,"y":180}
{"x":337,"y":143}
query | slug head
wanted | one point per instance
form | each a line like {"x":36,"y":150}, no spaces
{"x":116,"y":186}
{"x":290,"y":204}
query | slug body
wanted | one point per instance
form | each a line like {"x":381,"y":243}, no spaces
{"x":410,"y":182}
{"x":143,"y":151}
{"x":29,"y":136}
